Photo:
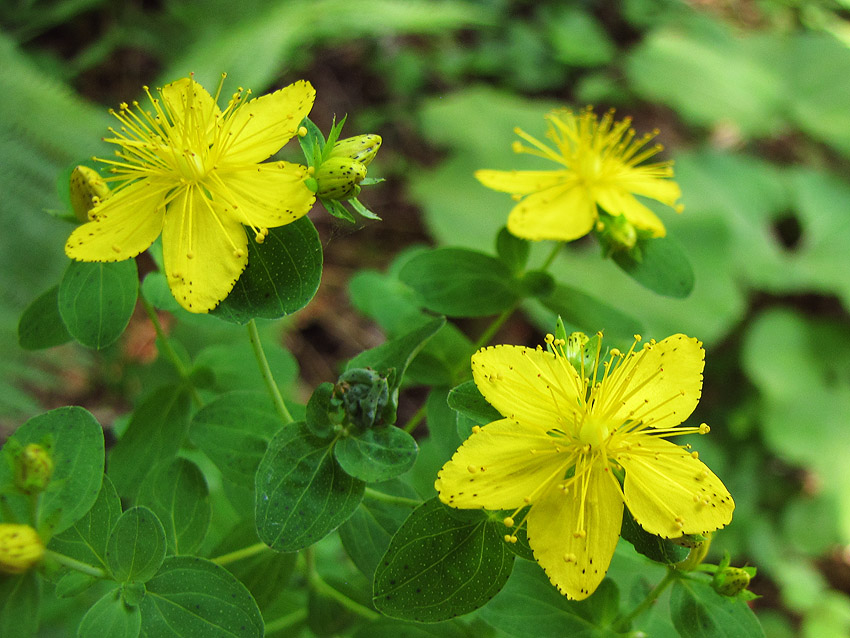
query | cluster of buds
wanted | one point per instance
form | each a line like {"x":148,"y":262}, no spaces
{"x":341,"y":172}
{"x":363,"y":395}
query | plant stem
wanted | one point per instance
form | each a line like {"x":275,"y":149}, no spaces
{"x":318,"y":585}
{"x":623,"y":623}
{"x":415,"y":419}
{"x":239,"y":554}
{"x":266,"y":371}
{"x":375,"y":495}
{"x":555,"y":250}
{"x":168,"y":349}
{"x":285,"y":622}
{"x":75,"y":564}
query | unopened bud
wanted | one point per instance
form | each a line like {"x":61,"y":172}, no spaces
{"x":21,"y":548}
{"x":617,"y":234}
{"x":338,"y":178}
{"x":361,"y":148}
{"x":33,"y":469}
{"x":731,"y":581}
{"x":87,"y":189}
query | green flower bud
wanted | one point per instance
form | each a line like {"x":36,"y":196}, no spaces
{"x":731,"y":581}
{"x":361,"y":148}
{"x":338,"y":178}
{"x":33,"y":469}
{"x":363,"y":394}
{"x":616,"y":234}
{"x":87,"y":190}
{"x":21,"y":548}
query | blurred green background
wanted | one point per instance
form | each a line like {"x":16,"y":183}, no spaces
{"x":752,"y":99}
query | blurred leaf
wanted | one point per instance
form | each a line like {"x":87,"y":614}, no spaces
{"x":663,"y":267}
{"x":512,"y":250}
{"x":41,"y":325}
{"x":577,"y":38}
{"x":282,"y":276}
{"x":20,"y":598}
{"x":389,"y":628}
{"x":302,"y":493}
{"x":109,"y":616}
{"x":587,"y":314}
{"x":234,"y":365}
{"x":192,"y":596}
{"x":96,"y":300}
{"x":529,"y":605}
{"x":376,"y":454}
{"x":136,"y":546}
{"x":700,"y":612}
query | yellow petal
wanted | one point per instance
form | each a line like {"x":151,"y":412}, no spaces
{"x":576,"y":564}
{"x":616,"y":202}
{"x":124,"y":225}
{"x":192,"y":109}
{"x":532,"y":386}
{"x":562,"y":213}
{"x":262,"y":126}
{"x":521,"y":182}
{"x":497,"y":469}
{"x":267,"y":195}
{"x":204,"y":251}
{"x":659,"y":385}
{"x":669,"y":492}
{"x":643,"y":181}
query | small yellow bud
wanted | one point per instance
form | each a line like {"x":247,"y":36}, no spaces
{"x":731,"y":581}
{"x":21,"y":548}
{"x":338,"y":177}
{"x":87,"y":189}
{"x":33,"y":469}
{"x":361,"y":148}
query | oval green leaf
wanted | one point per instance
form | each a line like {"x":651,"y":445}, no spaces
{"x":20,"y":598}
{"x":662,"y":266}
{"x":460,"y":282}
{"x":302,"y":493}
{"x":75,"y":440}
{"x":440,"y":565}
{"x":234,"y":431}
{"x":377,"y":454}
{"x":136,"y":546}
{"x":468,"y":400}
{"x":700,"y":612}
{"x":110,"y":617}
{"x":512,"y":250}
{"x":177,"y":493}
{"x":282,"y":276}
{"x":661,"y":550}
{"x":41,"y":326}
{"x":97,"y":299}
{"x":192,"y":596}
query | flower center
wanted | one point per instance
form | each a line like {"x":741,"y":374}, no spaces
{"x":593,"y":431}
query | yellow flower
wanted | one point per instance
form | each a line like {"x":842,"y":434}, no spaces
{"x":191,"y":171}
{"x":568,"y":434}
{"x":599,"y":167}
{"x":21,"y":548}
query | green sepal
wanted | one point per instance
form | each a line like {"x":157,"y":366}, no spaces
{"x":282,"y":275}
{"x":302,"y":494}
{"x":359,"y":207}
{"x":335,"y":208}
{"x":96,"y":300}
{"x":312,"y":143}
{"x":413,"y":581}
{"x":41,"y":325}
{"x":376,"y":454}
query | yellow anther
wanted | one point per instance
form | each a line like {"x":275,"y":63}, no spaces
{"x":549,"y":338}
{"x":302,"y":131}
{"x":508,"y":521}
{"x":638,"y":338}
{"x":476,"y":429}
{"x":704,"y":429}
{"x":615,"y":352}
{"x":695,"y":454}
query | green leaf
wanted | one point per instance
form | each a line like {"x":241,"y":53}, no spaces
{"x":155,"y":289}
{"x":192,"y":596}
{"x":41,"y":326}
{"x":460,"y":282}
{"x":75,"y":440}
{"x":376,"y":454}
{"x":700,"y":612}
{"x":302,"y":493}
{"x":663,"y":267}
{"x":468,"y":400}
{"x":234,"y":431}
{"x":661,"y":550}
{"x":20,"y":598}
{"x":536,"y":283}
{"x":389,"y":628}
{"x":86,"y":539}
{"x":96,"y":300}
{"x":110,"y":617}
{"x":282,"y":276}
{"x":529,"y":605}
{"x":512,"y":250}
{"x":136,"y":545}
{"x":318,"y":420}
{"x":397,"y":353}
{"x":577,"y":38}
{"x":439,"y":566}
{"x":71,"y":584}
{"x":366,"y":535}
{"x":155,"y":433}
{"x":177,"y":493}
{"x":587,"y":314}
{"x":234,"y":365}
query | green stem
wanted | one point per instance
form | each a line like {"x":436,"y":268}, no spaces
{"x":416,"y":419}
{"x":75,"y":564}
{"x":493,"y":328}
{"x":285,"y":622}
{"x":239,"y":554}
{"x":318,"y":585}
{"x":375,"y":495}
{"x":266,"y":371}
{"x":169,"y":351}
{"x":623,"y":623}
{"x":555,"y":250}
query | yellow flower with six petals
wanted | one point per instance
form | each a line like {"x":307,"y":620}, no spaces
{"x":577,"y":444}
{"x":193,"y":172}
{"x":600,"y":167}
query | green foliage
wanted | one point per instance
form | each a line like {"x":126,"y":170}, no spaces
{"x":19,"y":604}
{"x":41,"y":324}
{"x":136,"y":546}
{"x":700,"y":612}
{"x":110,"y":616}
